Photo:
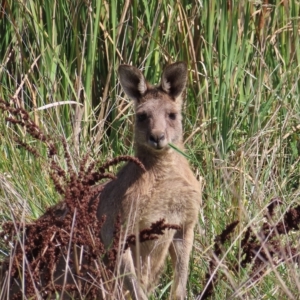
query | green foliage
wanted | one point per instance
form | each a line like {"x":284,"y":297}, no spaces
{"x":59,"y":60}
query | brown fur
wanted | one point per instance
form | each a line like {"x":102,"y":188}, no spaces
{"x":167,"y":190}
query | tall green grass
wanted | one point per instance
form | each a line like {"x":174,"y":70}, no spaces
{"x":241,"y":115}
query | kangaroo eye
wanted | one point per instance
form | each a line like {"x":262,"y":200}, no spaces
{"x":172,"y":116}
{"x":141,"y":117}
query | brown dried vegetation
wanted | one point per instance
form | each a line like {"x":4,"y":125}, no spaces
{"x":62,"y":232}
{"x":260,"y":249}
{"x":68,"y":231}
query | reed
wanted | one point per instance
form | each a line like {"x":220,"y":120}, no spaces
{"x":59,"y":60}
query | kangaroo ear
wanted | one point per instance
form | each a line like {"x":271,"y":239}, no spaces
{"x":132,"y":81}
{"x":173,"y":79}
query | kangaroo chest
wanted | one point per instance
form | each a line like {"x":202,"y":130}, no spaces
{"x":169,"y":197}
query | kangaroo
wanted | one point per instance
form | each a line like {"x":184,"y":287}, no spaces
{"x":166,"y":190}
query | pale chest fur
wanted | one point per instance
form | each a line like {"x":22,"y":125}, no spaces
{"x":163,"y":192}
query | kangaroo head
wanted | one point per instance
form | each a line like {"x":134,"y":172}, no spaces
{"x":157,"y":108}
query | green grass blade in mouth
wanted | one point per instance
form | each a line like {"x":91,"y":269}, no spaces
{"x":179,"y":151}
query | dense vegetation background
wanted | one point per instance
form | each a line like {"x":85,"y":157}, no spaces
{"x":242,"y":111}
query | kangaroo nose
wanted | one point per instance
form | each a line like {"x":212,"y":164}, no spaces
{"x":156,"y":138}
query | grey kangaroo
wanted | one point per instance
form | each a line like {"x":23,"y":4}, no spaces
{"x":166,"y":190}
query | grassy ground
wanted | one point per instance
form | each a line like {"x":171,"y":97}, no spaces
{"x":241,"y":115}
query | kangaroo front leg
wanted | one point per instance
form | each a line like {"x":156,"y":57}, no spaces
{"x":180,"y":250}
{"x":130,"y":280}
